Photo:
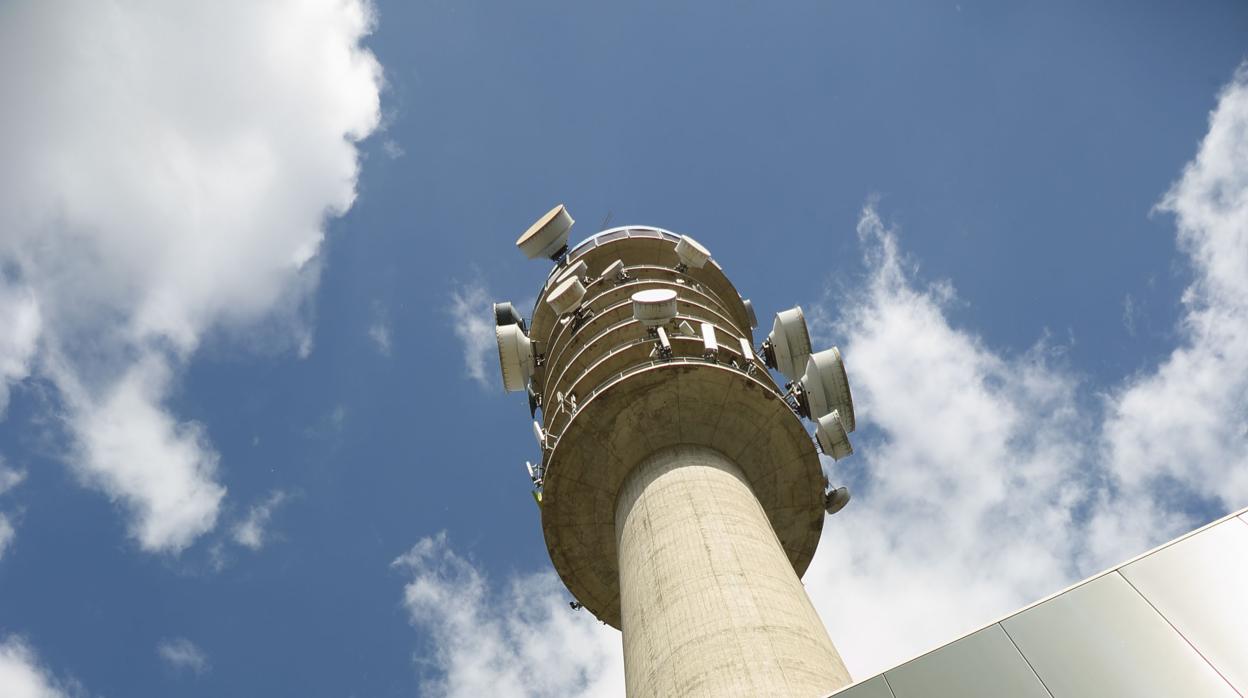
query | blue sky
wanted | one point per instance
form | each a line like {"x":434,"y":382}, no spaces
{"x":255,"y":442}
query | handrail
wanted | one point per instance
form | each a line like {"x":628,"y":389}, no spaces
{"x":693,"y":285}
{"x":562,"y":347}
{"x":560,"y":410}
{"x":625,"y":233}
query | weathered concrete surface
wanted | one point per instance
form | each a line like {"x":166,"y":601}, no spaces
{"x":710,"y":604}
{"x":664,"y":405}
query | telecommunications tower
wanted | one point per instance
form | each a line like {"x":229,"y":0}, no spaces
{"x":681,"y":496}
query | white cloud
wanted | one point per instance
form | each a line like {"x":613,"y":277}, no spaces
{"x":250,"y":532}
{"x":473,"y":322}
{"x":392,"y":149}
{"x":1129,"y":314}
{"x":163,"y":471}
{"x":19,"y":316}
{"x":983,"y":479}
{"x":524,"y":641}
{"x":21,"y":675}
{"x":168,"y":168}
{"x":182,"y":654}
{"x":968,"y":472}
{"x":1182,"y":430}
{"x":6,"y":534}
{"x":379,"y":331}
{"x":9,"y":477}
{"x":985,"y":482}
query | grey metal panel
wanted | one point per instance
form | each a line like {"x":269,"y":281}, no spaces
{"x":873,"y":688}
{"x":1200,"y":585}
{"x":984,"y":664}
{"x":1103,"y":639}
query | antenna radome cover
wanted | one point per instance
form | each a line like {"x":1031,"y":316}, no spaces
{"x":566,"y":296}
{"x":654,"y":306}
{"x":548,"y":236}
{"x":832,"y":436}
{"x":691,"y":252}
{"x":515,"y":356}
{"x":790,"y":341}
{"x":827,"y":387}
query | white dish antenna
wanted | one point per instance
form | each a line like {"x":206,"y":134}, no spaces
{"x":836,"y":500}
{"x":505,"y":314}
{"x":832,"y":436}
{"x":566,"y":296}
{"x":548,"y":237}
{"x":827,"y":387}
{"x":515,"y":356}
{"x":654,"y":306}
{"x":788,"y":346}
{"x":691,"y":252}
{"x":615,"y":271}
{"x":749,"y":312}
{"x":580,"y":270}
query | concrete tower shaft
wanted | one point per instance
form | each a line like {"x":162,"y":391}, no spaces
{"x":687,"y":521}
{"x":681,"y":496}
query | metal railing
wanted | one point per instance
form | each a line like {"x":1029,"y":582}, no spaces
{"x":748,"y":368}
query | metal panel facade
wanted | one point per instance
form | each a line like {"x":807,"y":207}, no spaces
{"x":1172,"y":623}
{"x":873,"y":688}
{"x":1104,"y":639}
{"x":984,"y":664}
{"x":1200,"y":585}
